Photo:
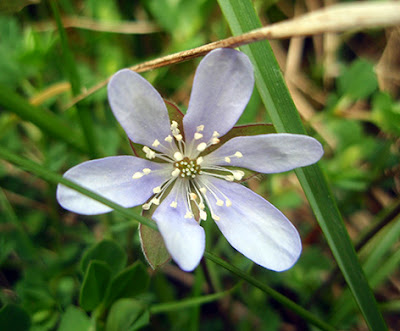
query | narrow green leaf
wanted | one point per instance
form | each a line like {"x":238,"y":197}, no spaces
{"x":94,"y":285}
{"x":43,"y":119}
{"x":54,"y":178}
{"x":74,"y":319}
{"x":107,"y":251}
{"x":271,"y":292}
{"x":241,"y":17}
{"x":13,"y":317}
{"x":127,"y":315}
{"x":188,"y":303}
{"x":74,"y":79}
{"x":128,"y":283}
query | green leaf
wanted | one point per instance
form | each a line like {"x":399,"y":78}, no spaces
{"x":241,"y":17}
{"x":94,"y":286}
{"x":13,"y":317}
{"x":358,"y":81}
{"x":128,"y":283}
{"x":74,"y":319}
{"x":153,"y":247}
{"x":127,"y":315}
{"x":386,"y":113}
{"x":107,"y":251}
{"x":43,"y":119}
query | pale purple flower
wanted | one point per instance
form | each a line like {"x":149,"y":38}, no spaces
{"x":189,"y":179}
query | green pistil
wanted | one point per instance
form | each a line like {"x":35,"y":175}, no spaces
{"x":188,"y":168}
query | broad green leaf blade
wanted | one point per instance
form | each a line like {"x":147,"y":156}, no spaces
{"x":127,"y":315}
{"x":43,"y":119}
{"x":13,"y":317}
{"x":74,"y":319}
{"x":128,"y":283}
{"x":241,"y":17}
{"x":94,"y":285}
{"x":153,"y":247}
{"x":107,"y":251}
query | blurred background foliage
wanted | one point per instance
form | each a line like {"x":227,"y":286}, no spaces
{"x":62,"y":271}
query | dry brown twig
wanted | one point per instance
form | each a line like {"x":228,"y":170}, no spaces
{"x":337,"y":18}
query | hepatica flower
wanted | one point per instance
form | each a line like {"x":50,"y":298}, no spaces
{"x":180,"y":178}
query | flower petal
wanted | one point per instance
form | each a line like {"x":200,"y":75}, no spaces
{"x":138,"y":107}
{"x":222,"y":87}
{"x":254,"y":227}
{"x":267,"y":153}
{"x":110,"y":177}
{"x":183,"y":237}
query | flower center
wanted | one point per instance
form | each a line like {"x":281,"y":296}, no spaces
{"x":186,"y":172}
{"x":188,"y":168}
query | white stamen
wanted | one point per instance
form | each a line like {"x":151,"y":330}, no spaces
{"x":193,"y":196}
{"x":215,"y":217}
{"x":198,"y":136}
{"x":214,"y":141}
{"x":238,"y":154}
{"x":174,"y":204}
{"x":175,"y":173}
{"x":230,"y":178}
{"x":178,"y":137}
{"x":203,"y":215}
{"x":174,"y":125}
{"x":215,"y":134}
{"x":203,"y":190}
{"x":201,"y":206}
{"x":146,"y":171}
{"x":201,"y":147}
{"x":227,"y":159}
{"x":228,"y":202}
{"x":150,"y":154}
{"x":178,"y":156}
{"x":168,"y":139}
{"x":238,"y":174}
{"x":155,"y":143}
{"x":157,"y":189}
{"x":137,"y":175}
{"x":156,"y":201}
{"x":219,"y":202}
{"x":200,"y":128}
{"x":199,"y":160}
{"x":146,"y":206}
{"x":188,"y":214}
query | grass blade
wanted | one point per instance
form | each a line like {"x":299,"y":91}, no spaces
{"x":74,"y":79}
{"x":43,"y":119}
{"x":241,"y":17}
{"x":52,"y":177}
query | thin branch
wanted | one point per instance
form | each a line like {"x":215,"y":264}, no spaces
{"x":86,"y":23}
{"x":337,"y":18}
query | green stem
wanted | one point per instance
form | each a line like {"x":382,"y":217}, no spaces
{"x":188,"y":303}
{"x":272,"y":293}
{"x":54,"y":178}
